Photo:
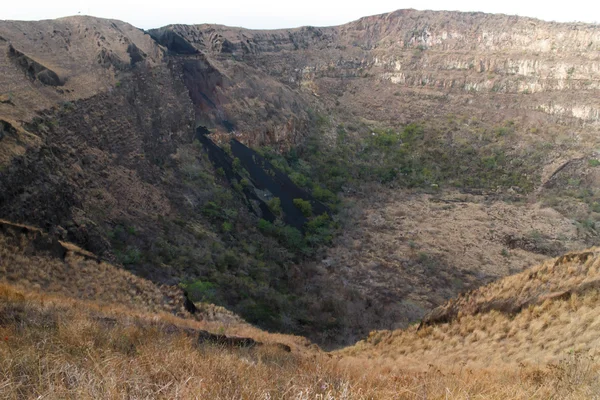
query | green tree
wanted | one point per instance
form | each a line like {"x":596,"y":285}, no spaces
{"x":304,"y":206}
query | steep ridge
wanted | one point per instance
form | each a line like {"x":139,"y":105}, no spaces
{"x":538,"y":316}
{"x":419,"y":53}
{"x":84,"y":52}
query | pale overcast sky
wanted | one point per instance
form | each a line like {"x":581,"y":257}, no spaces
{"x":269,"y":14}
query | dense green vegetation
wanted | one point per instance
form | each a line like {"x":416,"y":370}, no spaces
{"x":227,"y":256}
{"x":416,"y":155}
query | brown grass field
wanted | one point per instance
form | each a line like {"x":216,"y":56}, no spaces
{"x":57,"y":348}
{"x":78,"y":328}
{"x":54,"y":346}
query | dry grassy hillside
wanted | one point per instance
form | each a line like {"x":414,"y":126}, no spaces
{"x":537,"y":317}
{"x":55,"y":347}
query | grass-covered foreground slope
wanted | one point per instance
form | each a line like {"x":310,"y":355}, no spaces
{"x":531,"y":335}
{"x":54,"y":347}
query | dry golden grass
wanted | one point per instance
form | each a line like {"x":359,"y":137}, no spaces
{"x":539,"y":335}
{"x":57,"y":348}
{"x":90,"y":330}
{"x":572,"y":273}
{"x":552,"y":342}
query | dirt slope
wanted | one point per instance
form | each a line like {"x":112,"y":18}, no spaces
{"x":408,"y":252}
{"x":84,"y":52}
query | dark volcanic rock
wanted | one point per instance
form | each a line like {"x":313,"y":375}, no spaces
{"x":135,"y":53}
{"x":267,"y":182}
{"x":188,"y":304}
{"x":221,"y":159}
{"x":227,"y":341}
{"x":206,"y":337}
{"x":204,"y":82}
{"x":269,"y":179}
{"x":107,"y":58}
{"x":6,"y":128}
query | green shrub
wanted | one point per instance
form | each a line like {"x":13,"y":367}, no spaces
{"x":304,"y":206}
{"x":289,"y":236}
{"x":412,"y":132}
{"x":299,"y":179}
{"x":237,"y":186}
{"x":211,"y":210}
{"x":227,"y":260}
{"x":385,"y":139}
{"x":324,"y":195}
{"x":275,"y":206}
{"x":319,"y":230}
{"x":227,"y":227}
{"x":292,"y":238}
{"x":265,"y":226}
{"x":131,"y":256}
{"x":117,"y":234}
{"x":201,"y":291}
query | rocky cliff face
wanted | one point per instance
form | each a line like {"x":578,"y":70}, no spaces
{"x":455,"y":55}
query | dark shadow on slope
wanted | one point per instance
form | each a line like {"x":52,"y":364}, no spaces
{"x":33,"y":69}
{"x":266,"y":182}
{"x":135,"y":54}
{"x":267,"y":178}
{"x":220,"y":159}
{"x":6,"y":129}
{"x":205,"y":84}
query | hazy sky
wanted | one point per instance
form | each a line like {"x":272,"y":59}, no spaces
{"x":269,"y":14}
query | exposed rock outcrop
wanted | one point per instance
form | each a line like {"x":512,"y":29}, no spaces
{"x":6,"y":128}
{"x":33,"y":69}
